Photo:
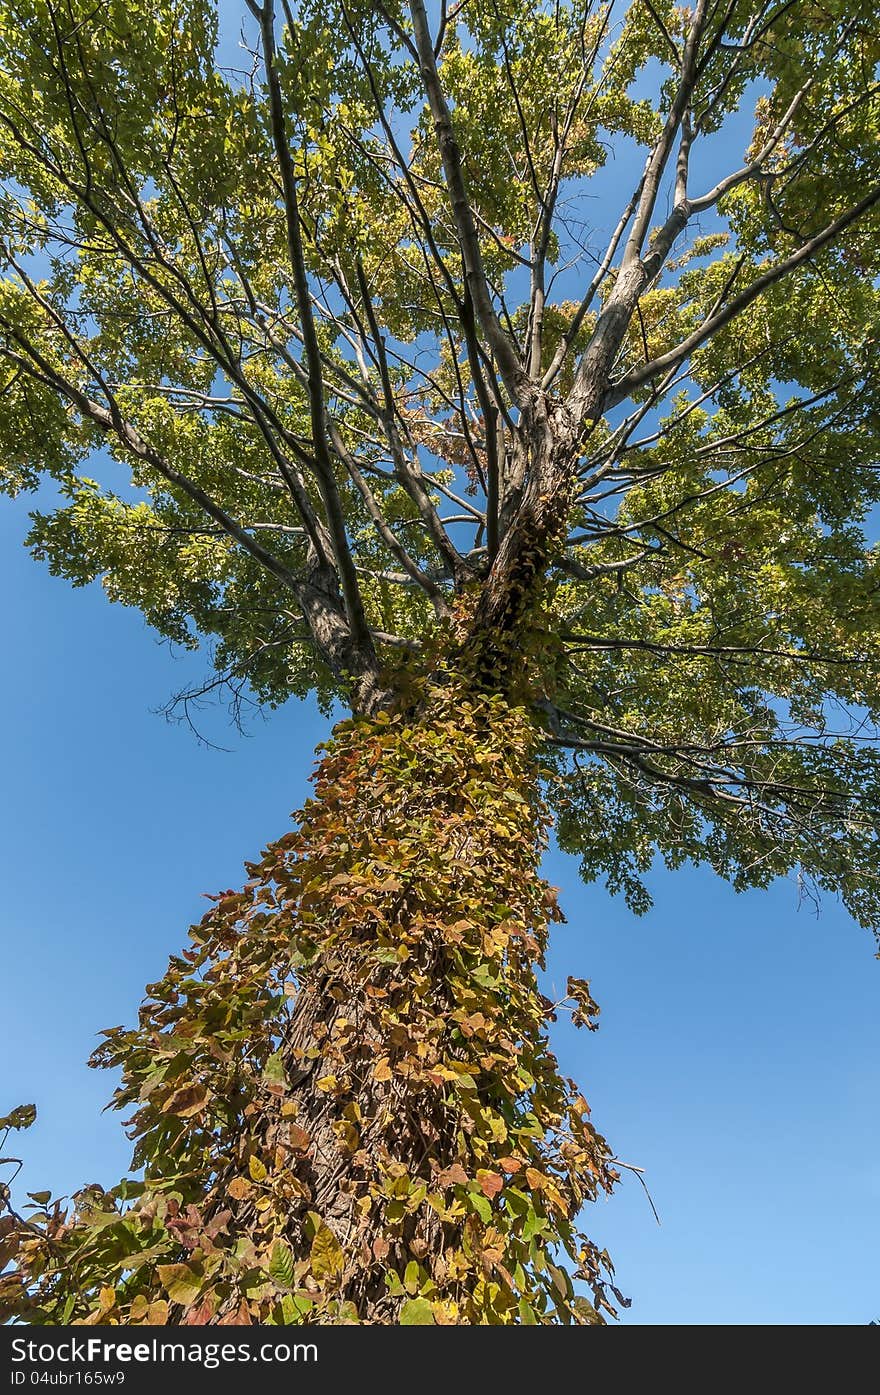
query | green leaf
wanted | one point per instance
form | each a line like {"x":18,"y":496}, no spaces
{"x":481,"y":1205}
{"x":527,"y":1314}
{"x":274,"y":1072}
{"x":281,"y":1264}
{"x":417,"y":1312}
{"x":22,"y":1117}
{"x":533,"y":1225}
{"x":295,"y":1306}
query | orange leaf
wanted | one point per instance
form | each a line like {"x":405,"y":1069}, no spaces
{"x":490,"y":1183}
{"x":239,"y":1188}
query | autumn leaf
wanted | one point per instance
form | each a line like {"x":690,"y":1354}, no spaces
{"x":257,"y":1168}
{"x":585,"y":1011}
{"x":203,"y":1312}
{"x":325,"y":1256}
{"x":180,"y":1282}
{"x":10,"y":1239}
{"x":240,"y":1188}
{"x":187,"y":1101}
{"x":299,"y":1138}
{"x":453,"y":1175}
{"x":490,"y":1183}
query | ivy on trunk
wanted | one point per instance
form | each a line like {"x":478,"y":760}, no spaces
{"x":345,"y":1104}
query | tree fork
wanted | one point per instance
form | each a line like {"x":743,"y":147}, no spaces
{"x":496,"y":649}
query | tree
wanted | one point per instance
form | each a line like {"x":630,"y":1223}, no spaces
{"x":573,"y":523}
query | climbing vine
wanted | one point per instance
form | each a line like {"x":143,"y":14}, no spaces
{"x":343,"y":1100}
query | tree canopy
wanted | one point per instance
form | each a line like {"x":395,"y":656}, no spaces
{"x":310,"y":350}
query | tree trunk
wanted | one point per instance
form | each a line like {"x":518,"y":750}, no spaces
{"x":347,"y":1109}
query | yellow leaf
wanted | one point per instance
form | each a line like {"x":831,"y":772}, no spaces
{"x":326,"y":1256}
{"x":257,"y":1168}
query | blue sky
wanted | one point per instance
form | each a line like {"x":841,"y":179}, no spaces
{"x":739,"y":1048}
{"x":738,"y":1054}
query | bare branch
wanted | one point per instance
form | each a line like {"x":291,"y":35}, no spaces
{"x":514,"y":375}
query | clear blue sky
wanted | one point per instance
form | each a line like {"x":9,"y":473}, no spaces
{"x":738,"y":1055}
